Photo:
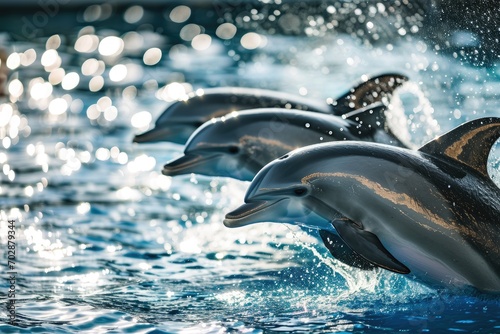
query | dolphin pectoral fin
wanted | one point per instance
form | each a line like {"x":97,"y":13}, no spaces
{"x":342,"y":252}
{"x":470,"y":143}
{"x":368,"y":246}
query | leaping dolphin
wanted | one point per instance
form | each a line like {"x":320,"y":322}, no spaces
{"x":181,"y":118}
{"x":238,"y":145}
{"x":434,"y":212}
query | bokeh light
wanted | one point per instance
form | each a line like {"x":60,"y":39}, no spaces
{"x":13,"y":61}
{"x":58,"y":106}
{"x":87,"y":43}
{"x":70,"y":81}
{"x":252,"y":41}
{"x":201,"y":42}
{"x":118,"y":73}
{"x":152,"y":56}
{"x":111,"y":46}
{"x":141,"y":119}
{"x":180,"y":14}
{"x":190,"y":31}
{"x":226,"y":31}
{"x":133,"y":14}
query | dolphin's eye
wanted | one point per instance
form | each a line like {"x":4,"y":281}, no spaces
{"x":233,"y":149}
{"x":300,"y":191}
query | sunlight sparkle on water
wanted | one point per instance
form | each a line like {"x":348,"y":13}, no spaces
{"x":39,"y":89}
{"x":111,"y":46}
{"x":70,"y":81}
{"x":16,"y":88}
{"x":102,"y":154}
{"x":96,"y":84}
{"x":58,"y":106}
{"x":133,"y":14}
{"x":118,"y":73}
{"x":190,"y":31}
{"x":142,"y":163}
{"x":152,"y":56}
{"x":28,"y":57}
{"x":157,"y":181}
{"x":56,"y":76}
{"x":190,"y":245}
{"x":87,"y":43}
{"x":110,"y":113}
{"x":174,"y":91}
{"x":84,"y":282}
{"x":232,"y":297}
{"x":201,"y":42}
{"x":51,"y":60}
{"x":142,"y":119}
{"x":128,"y":194}
{"x":226,"y":31}
{"x":93,"y":66}
{"x":6,"y":112}
{"x":13,"y":61}
{"x":253,"y":40}
{"x":180,"y":14}
{"x":46,"y":249}
{"x":83,"y":208}
{"x":53,"y":42}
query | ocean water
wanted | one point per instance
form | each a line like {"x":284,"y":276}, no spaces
{"x":106,"y":244}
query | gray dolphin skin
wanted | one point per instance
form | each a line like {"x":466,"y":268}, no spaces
{"x":432,"y":213}
{"x":182,"y":118}
{"x":238,"y":145}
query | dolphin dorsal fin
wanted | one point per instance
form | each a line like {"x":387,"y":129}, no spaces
{"x":367,"y":92}
{"x":469,"y":143}
{"x":369,"y":118}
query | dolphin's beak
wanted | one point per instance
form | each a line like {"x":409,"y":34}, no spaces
{"x":175,"y":133}
{"x":250,"y":213}
{"x":188,"y":163}
{"x":181,"y":165}
{"x":153,"y":135}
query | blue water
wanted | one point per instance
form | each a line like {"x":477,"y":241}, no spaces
{"x":105,"y":243}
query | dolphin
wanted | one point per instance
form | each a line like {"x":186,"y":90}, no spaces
{"x":182,"y":118}
{"x":238,"y":145}
{"x":433,"y":213}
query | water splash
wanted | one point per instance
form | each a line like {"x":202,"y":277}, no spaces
{"x":412,"y":115}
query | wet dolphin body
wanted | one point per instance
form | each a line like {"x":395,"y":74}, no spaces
{"x":182,"y":118}
{"x":238,"y":145}
{"x":434,"y":213}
